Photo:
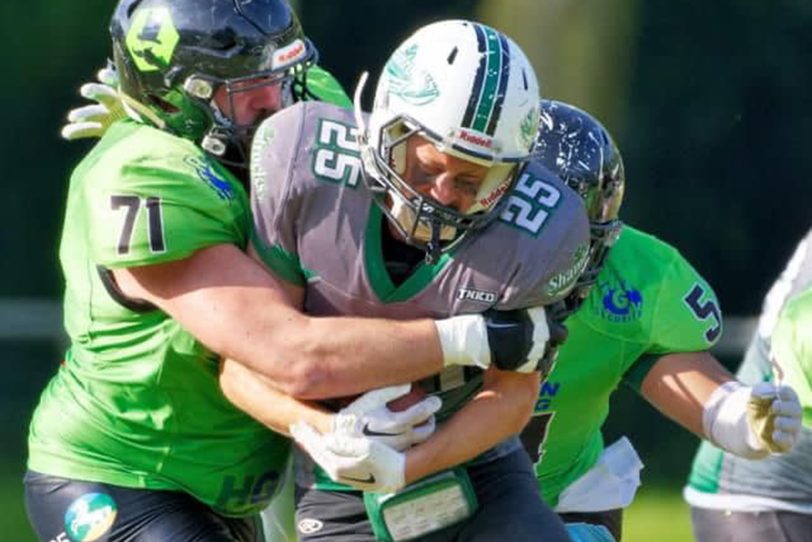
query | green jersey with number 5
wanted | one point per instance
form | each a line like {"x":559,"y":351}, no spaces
{"x":648,"y":301}
{"x":136,"y":402}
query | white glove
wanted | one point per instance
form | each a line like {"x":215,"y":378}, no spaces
{"x":512,"y":340}
{"x":93,"y":120}
{"x":369,"y":417}
{"x":753,"y":421}
{"x":362,"y":463}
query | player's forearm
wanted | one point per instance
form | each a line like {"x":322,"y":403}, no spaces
{"x":317,"y":358}
{"x":352,"y":355}
{"x":680,"y":384}
{"x":501,"y":409}
{"x":232,"y":305}
{"x":250,"y":393}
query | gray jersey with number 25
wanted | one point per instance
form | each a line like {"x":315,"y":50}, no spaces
{"x":316,"y":225}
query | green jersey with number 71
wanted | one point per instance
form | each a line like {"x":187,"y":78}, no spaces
{"x":136,"y":388}
{"x":648,"y":301}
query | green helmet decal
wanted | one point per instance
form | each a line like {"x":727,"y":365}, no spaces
{"x":530,"y":127}
{"x":414,"y":88}
{"x":152,"y":39}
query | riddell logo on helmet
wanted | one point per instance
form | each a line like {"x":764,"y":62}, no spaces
{"x":288,"y":54}
{"x":476,"y":139}
{"x":494,"y":195}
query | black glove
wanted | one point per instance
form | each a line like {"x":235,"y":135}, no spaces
{"x":558,"y":334}
{"x":516,"y":337}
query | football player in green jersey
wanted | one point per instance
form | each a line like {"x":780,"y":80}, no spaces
{"x":641,"y":315}
{"x":133,"y":437}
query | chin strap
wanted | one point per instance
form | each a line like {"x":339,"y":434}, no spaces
{"x":136,"y":110}
{"x":433,"y":246}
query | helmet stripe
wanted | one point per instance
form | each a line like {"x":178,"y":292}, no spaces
{"x":487,"y":93}
{"x":504,"y":75}
{"x":482,"y":69}
{"x":491,"y":81}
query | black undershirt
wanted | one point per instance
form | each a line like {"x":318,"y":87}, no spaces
{"x":399,"y":258}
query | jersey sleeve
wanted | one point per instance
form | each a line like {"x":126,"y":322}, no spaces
{"x":792,"y":349}
{"x":274,"y":203}
{"x":687,"y":317}
{"x":153,"y":210}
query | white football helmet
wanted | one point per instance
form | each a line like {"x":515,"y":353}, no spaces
{"x":471,"y":91}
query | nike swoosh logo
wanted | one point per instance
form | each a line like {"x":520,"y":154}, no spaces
{"x":372,"y":433}
{"x":368,"y":480}
{"x":497,"y":325}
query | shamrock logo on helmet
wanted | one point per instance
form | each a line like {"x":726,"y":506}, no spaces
{"x":416,"y":87}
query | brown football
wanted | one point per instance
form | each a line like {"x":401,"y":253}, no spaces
{"x":402,"y":403}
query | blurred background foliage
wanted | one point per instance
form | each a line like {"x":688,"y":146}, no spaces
{"x":709,"y":101}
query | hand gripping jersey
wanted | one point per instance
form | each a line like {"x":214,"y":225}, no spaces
{"x":317,"y":226}
{"x":783,"y":482}
{"x":648,"y":301}
{"x":137,"y":402}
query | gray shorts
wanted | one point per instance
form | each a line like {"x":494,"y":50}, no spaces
{"x":510,"y":508}
{"x":772,"y":526}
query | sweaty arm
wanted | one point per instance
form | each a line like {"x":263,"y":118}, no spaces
{"x":232,"y":305}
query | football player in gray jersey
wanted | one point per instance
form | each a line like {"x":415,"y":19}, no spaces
{"x":426,"y":208}
{"x":738,"y":499}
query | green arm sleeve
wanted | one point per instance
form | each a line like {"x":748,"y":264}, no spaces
{"x":639,"y":370}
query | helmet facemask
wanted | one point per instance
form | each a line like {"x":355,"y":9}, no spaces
{"x":175,"y":56}
{"x":419,"y":219}
{"x":433,"y":87}
{"x":227,"y":138}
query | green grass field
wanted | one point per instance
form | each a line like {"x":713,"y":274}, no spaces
{"x":13,"y":523}
{"x":657,"y":514}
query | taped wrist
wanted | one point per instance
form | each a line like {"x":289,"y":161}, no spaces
{"x":464,"y":340}
{"x":724,"y":421}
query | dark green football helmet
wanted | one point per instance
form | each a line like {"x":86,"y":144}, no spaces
{"x":172,"y":56}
